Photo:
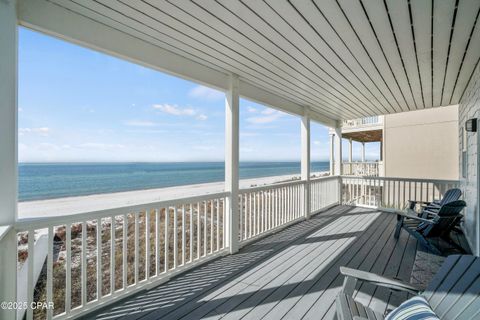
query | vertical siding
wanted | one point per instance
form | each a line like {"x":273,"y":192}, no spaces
{"x":470,"y":108}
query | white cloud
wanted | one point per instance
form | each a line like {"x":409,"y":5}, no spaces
{"x":252,"y":109}
{"x":316,"y":142}
{"x":206,"y":93}
{"x":140,"y":123}
{"x":268,"y":116}
{"x":269,"y":111}
{"x":43,"y":131}
{"x":174,"y":109}
{"x":20,"y":109}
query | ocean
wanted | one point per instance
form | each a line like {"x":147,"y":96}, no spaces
{"x":39,"y":181}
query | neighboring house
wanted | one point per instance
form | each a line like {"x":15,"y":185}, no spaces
{"x":416,"y":144}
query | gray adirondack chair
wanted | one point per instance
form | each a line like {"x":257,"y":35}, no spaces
{"x":432,"y":207}
{"x":453,"y":293}
{"x":438,"y":226}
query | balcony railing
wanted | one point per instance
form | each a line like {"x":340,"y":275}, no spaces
{"x":94,"y":258}
{"x":392,"y":193}
{"x":362,"y":122}
{"x":263,"y":209}
{"x":369,"y":169}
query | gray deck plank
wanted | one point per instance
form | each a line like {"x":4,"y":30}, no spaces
{"x":380,"y":295}
{"x":326,"y":249}
{"x":288,"y":302}
{"x":377,"y":265}
{"x":318,"y":306}
{"x":222,"y":302}
{"x":404,"y":273}
{"x":293,"y":273}
{"x":280,"y":298}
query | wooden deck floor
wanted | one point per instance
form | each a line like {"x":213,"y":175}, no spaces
{"x":293,"y":274}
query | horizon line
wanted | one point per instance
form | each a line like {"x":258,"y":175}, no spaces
{"x":187,"y":161}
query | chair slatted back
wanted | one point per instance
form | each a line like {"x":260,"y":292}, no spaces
{"x":444,"y":220}
{"x":450,"y":196}
{"x":454,"y":292}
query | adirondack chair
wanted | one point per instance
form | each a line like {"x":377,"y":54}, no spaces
{"x":452,"y":294}
{"x":439,"y":226}
{"x":431,"y":207}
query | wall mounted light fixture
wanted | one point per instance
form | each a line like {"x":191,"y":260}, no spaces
{"x":471,"y":125}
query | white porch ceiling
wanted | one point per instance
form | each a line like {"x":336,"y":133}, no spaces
{"x":341,"y":58}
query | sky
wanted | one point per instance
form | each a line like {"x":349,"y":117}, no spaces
{"x":79,"y":105}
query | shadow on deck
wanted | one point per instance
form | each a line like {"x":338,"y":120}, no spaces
{"x":291,"y":274}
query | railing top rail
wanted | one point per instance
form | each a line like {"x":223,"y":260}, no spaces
{"x":361,"y":162}
{"x":366,"y":121}
{"x":323,"y":178}
{"x":44,"y":222}
{"x":401,"y":179}
{"x":272,"y":186}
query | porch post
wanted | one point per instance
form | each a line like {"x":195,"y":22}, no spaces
{"x":232,"y":163}
{"x":8,"y":154}
{"x":332,"y":151}
{"x":350,"y":150}
{"x":338,"y":150}
{"x":363,"y":151}
{"x":305,"y":162}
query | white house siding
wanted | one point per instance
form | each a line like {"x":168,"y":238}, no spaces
{"x":470,"y":108}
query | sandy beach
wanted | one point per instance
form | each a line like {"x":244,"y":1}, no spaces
{"x":76,"y":205}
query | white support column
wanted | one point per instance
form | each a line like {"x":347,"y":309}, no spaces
{"x":350,"y":150}
{"x":232,"y":145}
{"x":8,"y":153}
{"x":305,"y":162}
{"x":363,"y":151}
{"x":332,"y":152}
{"x":338,"y":151}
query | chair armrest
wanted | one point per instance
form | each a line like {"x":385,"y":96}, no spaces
{"x":379,"y":280}
{"x":412,"y":204}
{"x":410,"y":216}
{"x":419,"y":201}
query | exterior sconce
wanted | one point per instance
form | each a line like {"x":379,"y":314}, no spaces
{"x":471,"y":125}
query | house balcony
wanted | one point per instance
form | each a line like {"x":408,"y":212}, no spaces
{"x":363,"y":168}
{"x":363,"y":124}
{"x":171,"y":259}
{"x":273,"y":251}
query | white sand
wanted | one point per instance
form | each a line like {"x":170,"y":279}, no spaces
{"x":81,"y":204}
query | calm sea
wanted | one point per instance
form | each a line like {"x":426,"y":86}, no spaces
{"x":55,"y":180}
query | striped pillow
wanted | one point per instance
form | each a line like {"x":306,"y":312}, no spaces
{"x":416,"y":308}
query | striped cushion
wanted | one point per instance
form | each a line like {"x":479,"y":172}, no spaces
{"x":416,"y":308}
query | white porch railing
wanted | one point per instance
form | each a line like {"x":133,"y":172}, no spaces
{"x":266,"y":208}
{"x":96,"y":257}
{"x":370,"y":169}
{"x":392,"y":193}
{"x":324,"y":192}
{"x":362,"y":122}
